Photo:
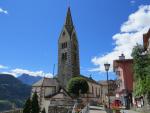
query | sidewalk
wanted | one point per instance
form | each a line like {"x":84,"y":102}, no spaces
{"x":129,"y":111}
{"x":102,"y":111}
{"x":95,"y":109}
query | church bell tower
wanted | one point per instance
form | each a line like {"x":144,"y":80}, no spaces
{"x":68,"y":52}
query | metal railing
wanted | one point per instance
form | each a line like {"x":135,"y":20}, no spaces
{"x":84,"y":110}
{"x":74,"y":107}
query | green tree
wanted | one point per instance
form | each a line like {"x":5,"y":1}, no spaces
{"x":35,"y":104}
{"x":43,"y":111}
{"x":77,"y":85}
{"x":27,"y":106}
{"x":141,"y":71}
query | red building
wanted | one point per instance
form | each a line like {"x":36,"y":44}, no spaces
{"x":146,"y":41}
{"x":124,"y":71}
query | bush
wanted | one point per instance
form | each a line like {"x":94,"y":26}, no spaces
{"x":141,"y":72}
{"x":77,"y":85}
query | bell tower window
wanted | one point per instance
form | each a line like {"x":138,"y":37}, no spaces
{"x":64,"y":56}
{"x":64,"y":33}
{"x":64,"y":45}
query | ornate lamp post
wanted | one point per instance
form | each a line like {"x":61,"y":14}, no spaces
{"x":107,"y":66}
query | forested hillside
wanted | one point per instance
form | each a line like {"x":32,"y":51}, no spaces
{"x":12,"y":91}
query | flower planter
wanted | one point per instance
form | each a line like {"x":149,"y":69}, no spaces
{"x":116,"y":111}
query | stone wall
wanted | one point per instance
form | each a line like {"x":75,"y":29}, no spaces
{"x":56,"y":109}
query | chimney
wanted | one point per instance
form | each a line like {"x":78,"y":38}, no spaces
{"x":122,"y":57}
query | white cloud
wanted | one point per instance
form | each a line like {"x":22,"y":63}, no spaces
{"x":3,"y":11}
{"x":138,"y":20}
{"x":3,"y":67}
{"x":131,"y":32}
{"x":32,"y":73}
{"x":16,"y":72}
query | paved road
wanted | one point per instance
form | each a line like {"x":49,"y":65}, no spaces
{"x":94,"y":109}
{"x":129,"y":111}
{"x":97,"y":111}
{"x":101,"y":111}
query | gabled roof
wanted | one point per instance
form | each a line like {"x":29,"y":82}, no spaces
{"x":46,"y":82}
{"x":62,"y":92}
{"x":89,"y":79}
{"x":105,"y":83}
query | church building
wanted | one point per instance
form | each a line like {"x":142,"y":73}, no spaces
{"x":53,"y":91}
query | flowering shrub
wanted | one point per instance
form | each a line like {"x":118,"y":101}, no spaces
{"x":116,"y":109}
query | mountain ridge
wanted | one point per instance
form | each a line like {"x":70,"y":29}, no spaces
{"x":29,"y":79}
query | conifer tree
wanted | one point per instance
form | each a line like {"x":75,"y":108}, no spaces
{"x":27,"y":106}
{"x":35,"y":104}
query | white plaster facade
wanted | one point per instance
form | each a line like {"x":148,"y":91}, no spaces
{"x":45,"y":87}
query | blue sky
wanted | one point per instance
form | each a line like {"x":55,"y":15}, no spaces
{"x":29,"y":32}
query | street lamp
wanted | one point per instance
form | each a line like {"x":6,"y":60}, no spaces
{"x":107,"y":66}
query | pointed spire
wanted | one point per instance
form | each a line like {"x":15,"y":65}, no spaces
{"x":69,"y":18}
{"x":69,"y":23}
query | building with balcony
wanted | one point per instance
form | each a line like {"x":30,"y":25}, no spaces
{"x":124,"y":71}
